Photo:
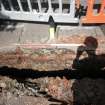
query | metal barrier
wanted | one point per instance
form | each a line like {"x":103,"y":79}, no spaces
{"x":62,"y":11}
{"x":92,"y":17}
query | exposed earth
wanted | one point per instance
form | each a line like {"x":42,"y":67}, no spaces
{"x":52,"y":91}
{"x":36,"y":76}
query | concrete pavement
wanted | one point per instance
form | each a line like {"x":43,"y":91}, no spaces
{"x":22,"y":33}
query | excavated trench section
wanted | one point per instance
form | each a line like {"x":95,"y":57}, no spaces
{"x":71,"y":75}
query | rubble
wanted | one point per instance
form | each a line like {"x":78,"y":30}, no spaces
{"x":52,"y":90}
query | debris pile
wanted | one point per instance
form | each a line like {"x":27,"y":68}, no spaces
{"x":19,"y":88}
{"x":69,"y":92}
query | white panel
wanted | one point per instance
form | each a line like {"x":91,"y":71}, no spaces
{"x":29,"y":4}
{"x":39,"y":6}
{"x":50,"y":6}
{"x":72,"y":8}
{"x":2,"y":6}
{"x":10,"y":4}
{"x":60,"y":6}
{"x":20,"y":5}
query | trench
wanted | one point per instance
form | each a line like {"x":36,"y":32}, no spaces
{"x":28,"y":82}
{"x":42,"y":74}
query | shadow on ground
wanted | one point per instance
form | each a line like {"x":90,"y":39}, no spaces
{"x":34,"y":74}
{"x":6,"y":24}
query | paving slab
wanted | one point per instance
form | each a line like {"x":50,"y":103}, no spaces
{"x":23,"y":33}
{"x":35,"y":33}
{"x":79,"y":30}
{"x":9,"y":35}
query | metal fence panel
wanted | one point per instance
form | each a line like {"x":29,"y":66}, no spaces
{"x":45,"y":9}
{"x":20,"y":5}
